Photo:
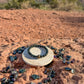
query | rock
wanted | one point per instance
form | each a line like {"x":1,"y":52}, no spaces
{"x":68,"y":69}
{"x":49,"y":79}
{"x":64,"y":60}
{"x":14,"y":52}
{"x":55,"y":52}
{"x":72,"y":71}
{"x":60,"y":50}
{"x":11,"y":58}
{"x":11,"y":82}
{"x":11,"y":76}
{"x":4,"y":81}
{"x":19,"y":52}
{"x":7,"y":68}
{"x":52,"y":75}
{"x":68,"y":57}
{"x":34,"y":76}
{"x":55,"y":56}
{"x":53,"y":72}
{"x":45,"y":80}
{"x":15,"y":57}
{"x":14,"y":72}
{"x":22,"y":70}
{"x":45,"y":72}
{"x":13,"y":79}
{"x":68,"y":62}
{"x":53,"y":48}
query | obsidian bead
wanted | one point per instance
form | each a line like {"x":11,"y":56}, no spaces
{"x":11,"y":58}
{"x":52,"y":72}
{"x":55,"y":56}
{"x":60,"y":50}
{"x":14,"y":52}
{"x":68,"y":62}
{"x":49,"y":79}
{"x":7,"y":68}
{"x":19,"y":52}
{"x":40,"y":83}
{"x":52,"y":75}
{"x":67,"y":68}
{"x":13,"y":79}
{"x":64,"y":60}
{"x":34,"y":76}
{"x":14,"y":72}
{"x":22,"y":70}
{"x":11,"y":76}
{"x":3,"y":79}
{"x":45,"y":72}
{"x":45,"y":80}
{"x":11,"y":82}
{"x":55,"y":52}
{"x":72,"y":61}
{"x":15,"y":57}
{"x":16,"y":76}
{"x":53,"y":48}
{"x":68,"y":57}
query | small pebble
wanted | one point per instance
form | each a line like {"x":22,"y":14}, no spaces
{"x":68,"y":69}
{"x":53,"y":48}
{"x":55,"y":52}
{"x":60,"y":50}
{"x":50,"y":79}
{"x":11,"y":82}
{"x":64,"y":60}
{"x":72,"y":71}
{"x":22,"y":70}
{"x":68,"y":57}
{"x":68,"y":62}
{"x":34,"y":76}
{"x":52,"y":75}
{"x":45,"y":80}
{"x":55,"y":56}
{"x":13,"y":79}
{"x":14,"y":72}
{"x":15,"y":57}
{"x":19,"y":52}
{"x":45,"y":72}
{"x":14,"y":52}
{"x":7,"y":68}
{"x":11,"y":58}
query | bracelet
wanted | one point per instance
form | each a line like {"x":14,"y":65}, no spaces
{"x":38,"y":56}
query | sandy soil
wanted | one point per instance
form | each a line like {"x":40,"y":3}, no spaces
{"x":59,"y":29}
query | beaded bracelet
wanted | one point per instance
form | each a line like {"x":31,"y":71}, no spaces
{"x":38,"y":56}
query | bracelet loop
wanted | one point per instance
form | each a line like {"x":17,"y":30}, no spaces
{"x":38,"y":56}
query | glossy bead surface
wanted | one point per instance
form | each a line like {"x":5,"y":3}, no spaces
{"x":35,"y":76}
{"x":11,"y":58}
{"x":68,"y":57}
{"x":67,"y":68}
{"x":22,"y":70}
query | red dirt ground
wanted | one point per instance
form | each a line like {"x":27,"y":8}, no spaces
{"x":58,"y":28}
